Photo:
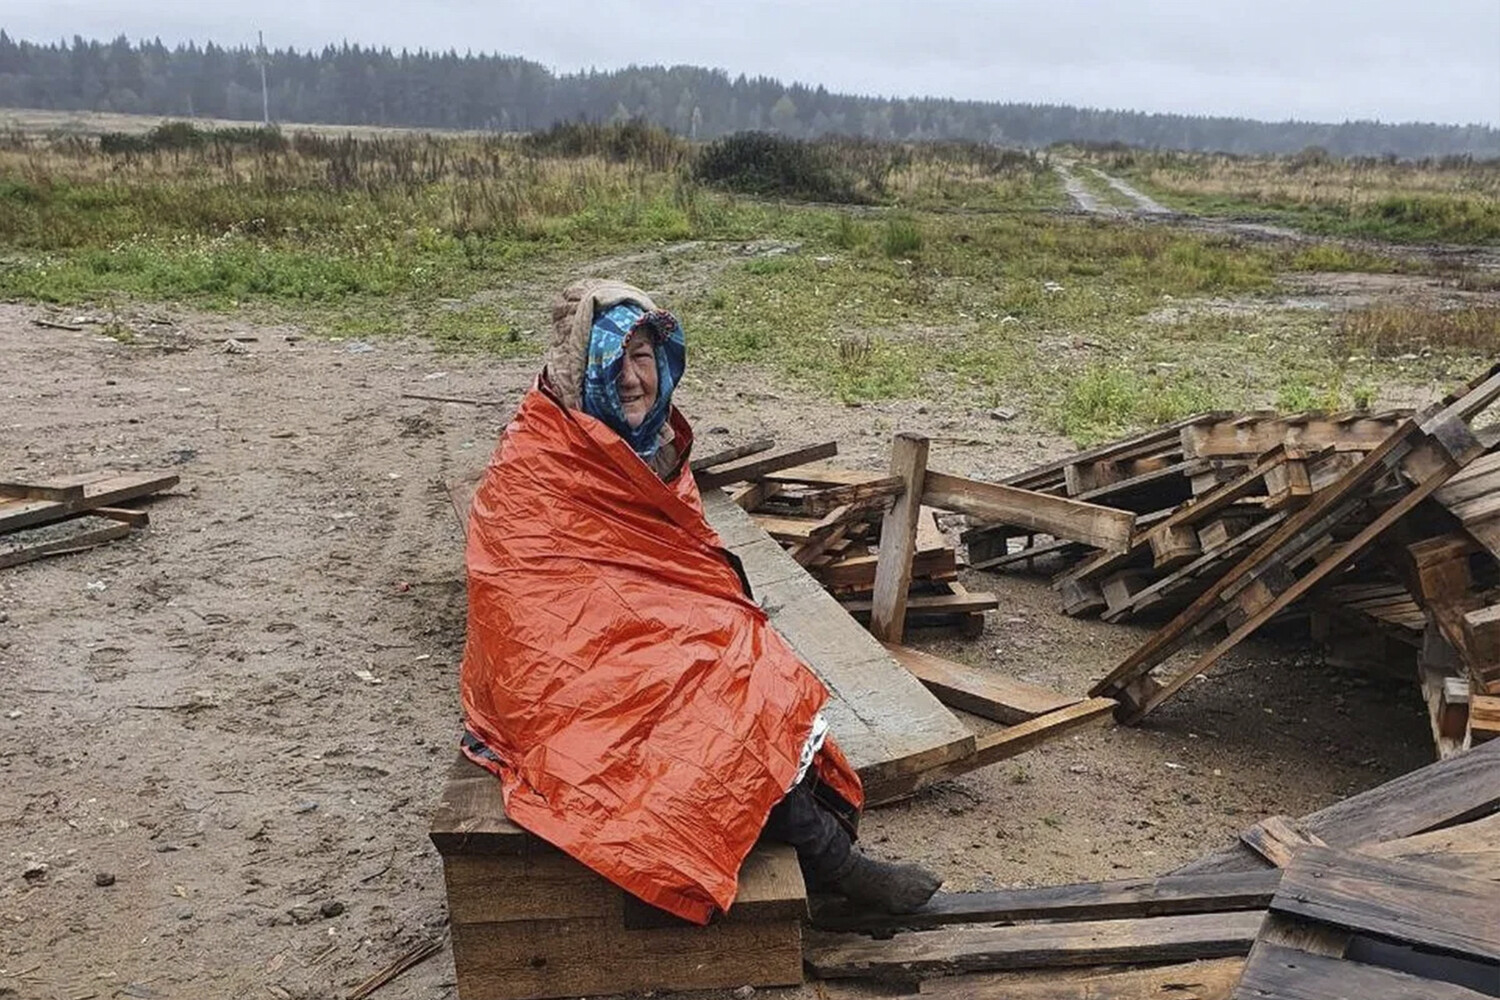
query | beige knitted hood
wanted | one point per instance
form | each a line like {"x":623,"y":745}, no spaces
{"x":572,"y":324}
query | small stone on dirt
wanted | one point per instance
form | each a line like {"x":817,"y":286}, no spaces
{"x":744,"y":991}
{"x":34,"y":872}
{"x":103,"y":879}
{"x":1002,"y":413}
{"x":305,"y":807}
{"x":331,"y":908}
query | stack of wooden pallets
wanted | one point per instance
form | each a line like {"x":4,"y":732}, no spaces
{"x":68,"y":514}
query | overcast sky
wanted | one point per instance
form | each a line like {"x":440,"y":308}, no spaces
{"x":1327,"y":60}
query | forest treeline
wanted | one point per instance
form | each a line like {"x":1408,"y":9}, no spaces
{"x":354,"y":85}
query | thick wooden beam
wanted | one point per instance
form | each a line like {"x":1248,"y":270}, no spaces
{"x":898,"y":539}
{"x":1102,"y":527}
{"x":1211,"y":979}
{"x":987,"y":694}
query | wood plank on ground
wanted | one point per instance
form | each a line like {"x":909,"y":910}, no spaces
{"x":1102,"y":527}
{"x":59,"y":538}
{"x":985,"y":693}
{"x":1278,"y":839}
{"x":731,"y":454}
{"x":740,"y":472}
{"x":1471,"y":849}
{"x":887,"y":724}
{"x":1276,"y":972}
{"x":1399,"y":900}
{"x":16,"y":513}
{"x":1006,"y":743}
{"x":929,"y":605}
{"x":1211,"y":979}
{"x":1456,"y":790}
{"x":921,"y":954}
{"x":1167,"y":895}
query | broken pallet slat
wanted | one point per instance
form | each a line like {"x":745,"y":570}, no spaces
{"x":1008,"y":742}
{"x":974,"y":949}
{"x":18,"y":513}
{"x":898,"y":539}
{"x":931,"y":604}
{"x":756,"y":468}
{"x":1101,"y":527}
{"x":29,"y":544}
{"x":987,"y":694}
{"x":1169,"y":895}
{"x":1471,"y":848}
{"x":731,"y":454}
{"x":1278,"y":839}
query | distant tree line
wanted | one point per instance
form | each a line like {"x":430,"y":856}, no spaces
{"x":352,"y":85}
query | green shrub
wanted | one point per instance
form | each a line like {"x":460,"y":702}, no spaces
{"x":759,"y":163}
{"x":903,"y":237}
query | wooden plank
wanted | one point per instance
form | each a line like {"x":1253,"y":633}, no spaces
{"x":42,"y":491}
{"x":1200,"y":566}
{"x":731,"y":454}
{"x":1123,"y":448}
{"x":1275,"y":972}
{"x":1011,"y":741}
{"x":898,"y":539}
{"x":745,"y":471}
{"x":975,"y":949}
{"x":1230,"y":438}
{"x":31,"y":544}
{"x":985,"y":693}
{"x":1101,"y":527}
{"x":1481,"y":633}
{"x":1471,"y":849}
{"x":887,"y":724}
{"x":1405,"y":902}
{"x":858,"y":572}
{"x":855,"y":494}
{"x":822,"y":474}
{"x":1212,"y":979}
{"x":134,"y":518}
{"x":1058,"y":547}
{"x":1484,"y":717}
{"x":1455,"y":790}
{"x":930,"y":605}
{"x":1278,"y":839}
{"x":554,"y":958}
{"x":107,"y":492}
{"x":470,"y":817}
{"x":1168,"y":895}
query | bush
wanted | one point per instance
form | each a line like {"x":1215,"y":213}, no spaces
{"x":759,"y":163}
{"x":903,"y":237}
{"x":635,"y":141}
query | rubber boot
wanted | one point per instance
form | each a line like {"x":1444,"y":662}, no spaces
{"x":888,"y":887}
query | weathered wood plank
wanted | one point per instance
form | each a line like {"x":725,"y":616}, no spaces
{"x":975,"y":949}
{"x":731,"y":454}
{"x":1101,"y":527}
{"x":1278,"y":839}
{"x":1399,"y":900}
{"x":985,"y":693}
{"x":898,"y":539}
{"x":19,"y":513}
{"x":30,"y":544}
{"x":1471,"y":849}
{"x":887,"y":724}
{"x":745,"y":471}
{"x":1168,"y":895}
{"x":1212,"y":979}
{"x":1274,"y":972}
{"x":1456,"y":790}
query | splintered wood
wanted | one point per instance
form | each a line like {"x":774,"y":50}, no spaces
{"x":57,"y":516}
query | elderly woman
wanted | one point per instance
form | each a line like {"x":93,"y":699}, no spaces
{"x":619,"y":678}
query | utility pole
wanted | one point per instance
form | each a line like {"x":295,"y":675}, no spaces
{"x":265,"y":100}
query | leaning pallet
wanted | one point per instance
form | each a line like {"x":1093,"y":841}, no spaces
{"x":1407,"y":467}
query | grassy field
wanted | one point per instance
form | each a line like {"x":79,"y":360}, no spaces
{"x":1447,"y":201}
{"x":860,"y":270}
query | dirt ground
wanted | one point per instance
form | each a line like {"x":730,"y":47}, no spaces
{"x":244,"y":714}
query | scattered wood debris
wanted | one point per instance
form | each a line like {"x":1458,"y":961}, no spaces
{"x":1390,"y":893}
{"x":72,"y":513}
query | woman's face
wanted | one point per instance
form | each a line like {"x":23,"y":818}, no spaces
{"x":637,"y":385}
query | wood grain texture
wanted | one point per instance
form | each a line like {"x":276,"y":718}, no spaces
{"x":525,"y":960}
{"x":1102,"y":527}
{"x":1212,"y":979}
{"x":898,"y":539}
{"x":755,"y":468}
{"x":20,"y":512}
{"x":1168,"y":895}
{"x":1274,"y":972}
{"x":1471,"y":849}
{"x":1278,"y":839}
{"x":920,"y":954}
{"x":1406,"y":902}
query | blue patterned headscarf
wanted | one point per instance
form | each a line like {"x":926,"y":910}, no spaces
{"x":606,"y":359}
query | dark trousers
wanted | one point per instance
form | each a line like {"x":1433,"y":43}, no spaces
{"x":821,"y":840}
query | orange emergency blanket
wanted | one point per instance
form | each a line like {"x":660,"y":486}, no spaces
{"x":645,"y":715}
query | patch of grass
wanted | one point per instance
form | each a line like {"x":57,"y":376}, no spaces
{"x":1404,"y":330}
{"x":903,"y":237}
{"x":1106,"y":400}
